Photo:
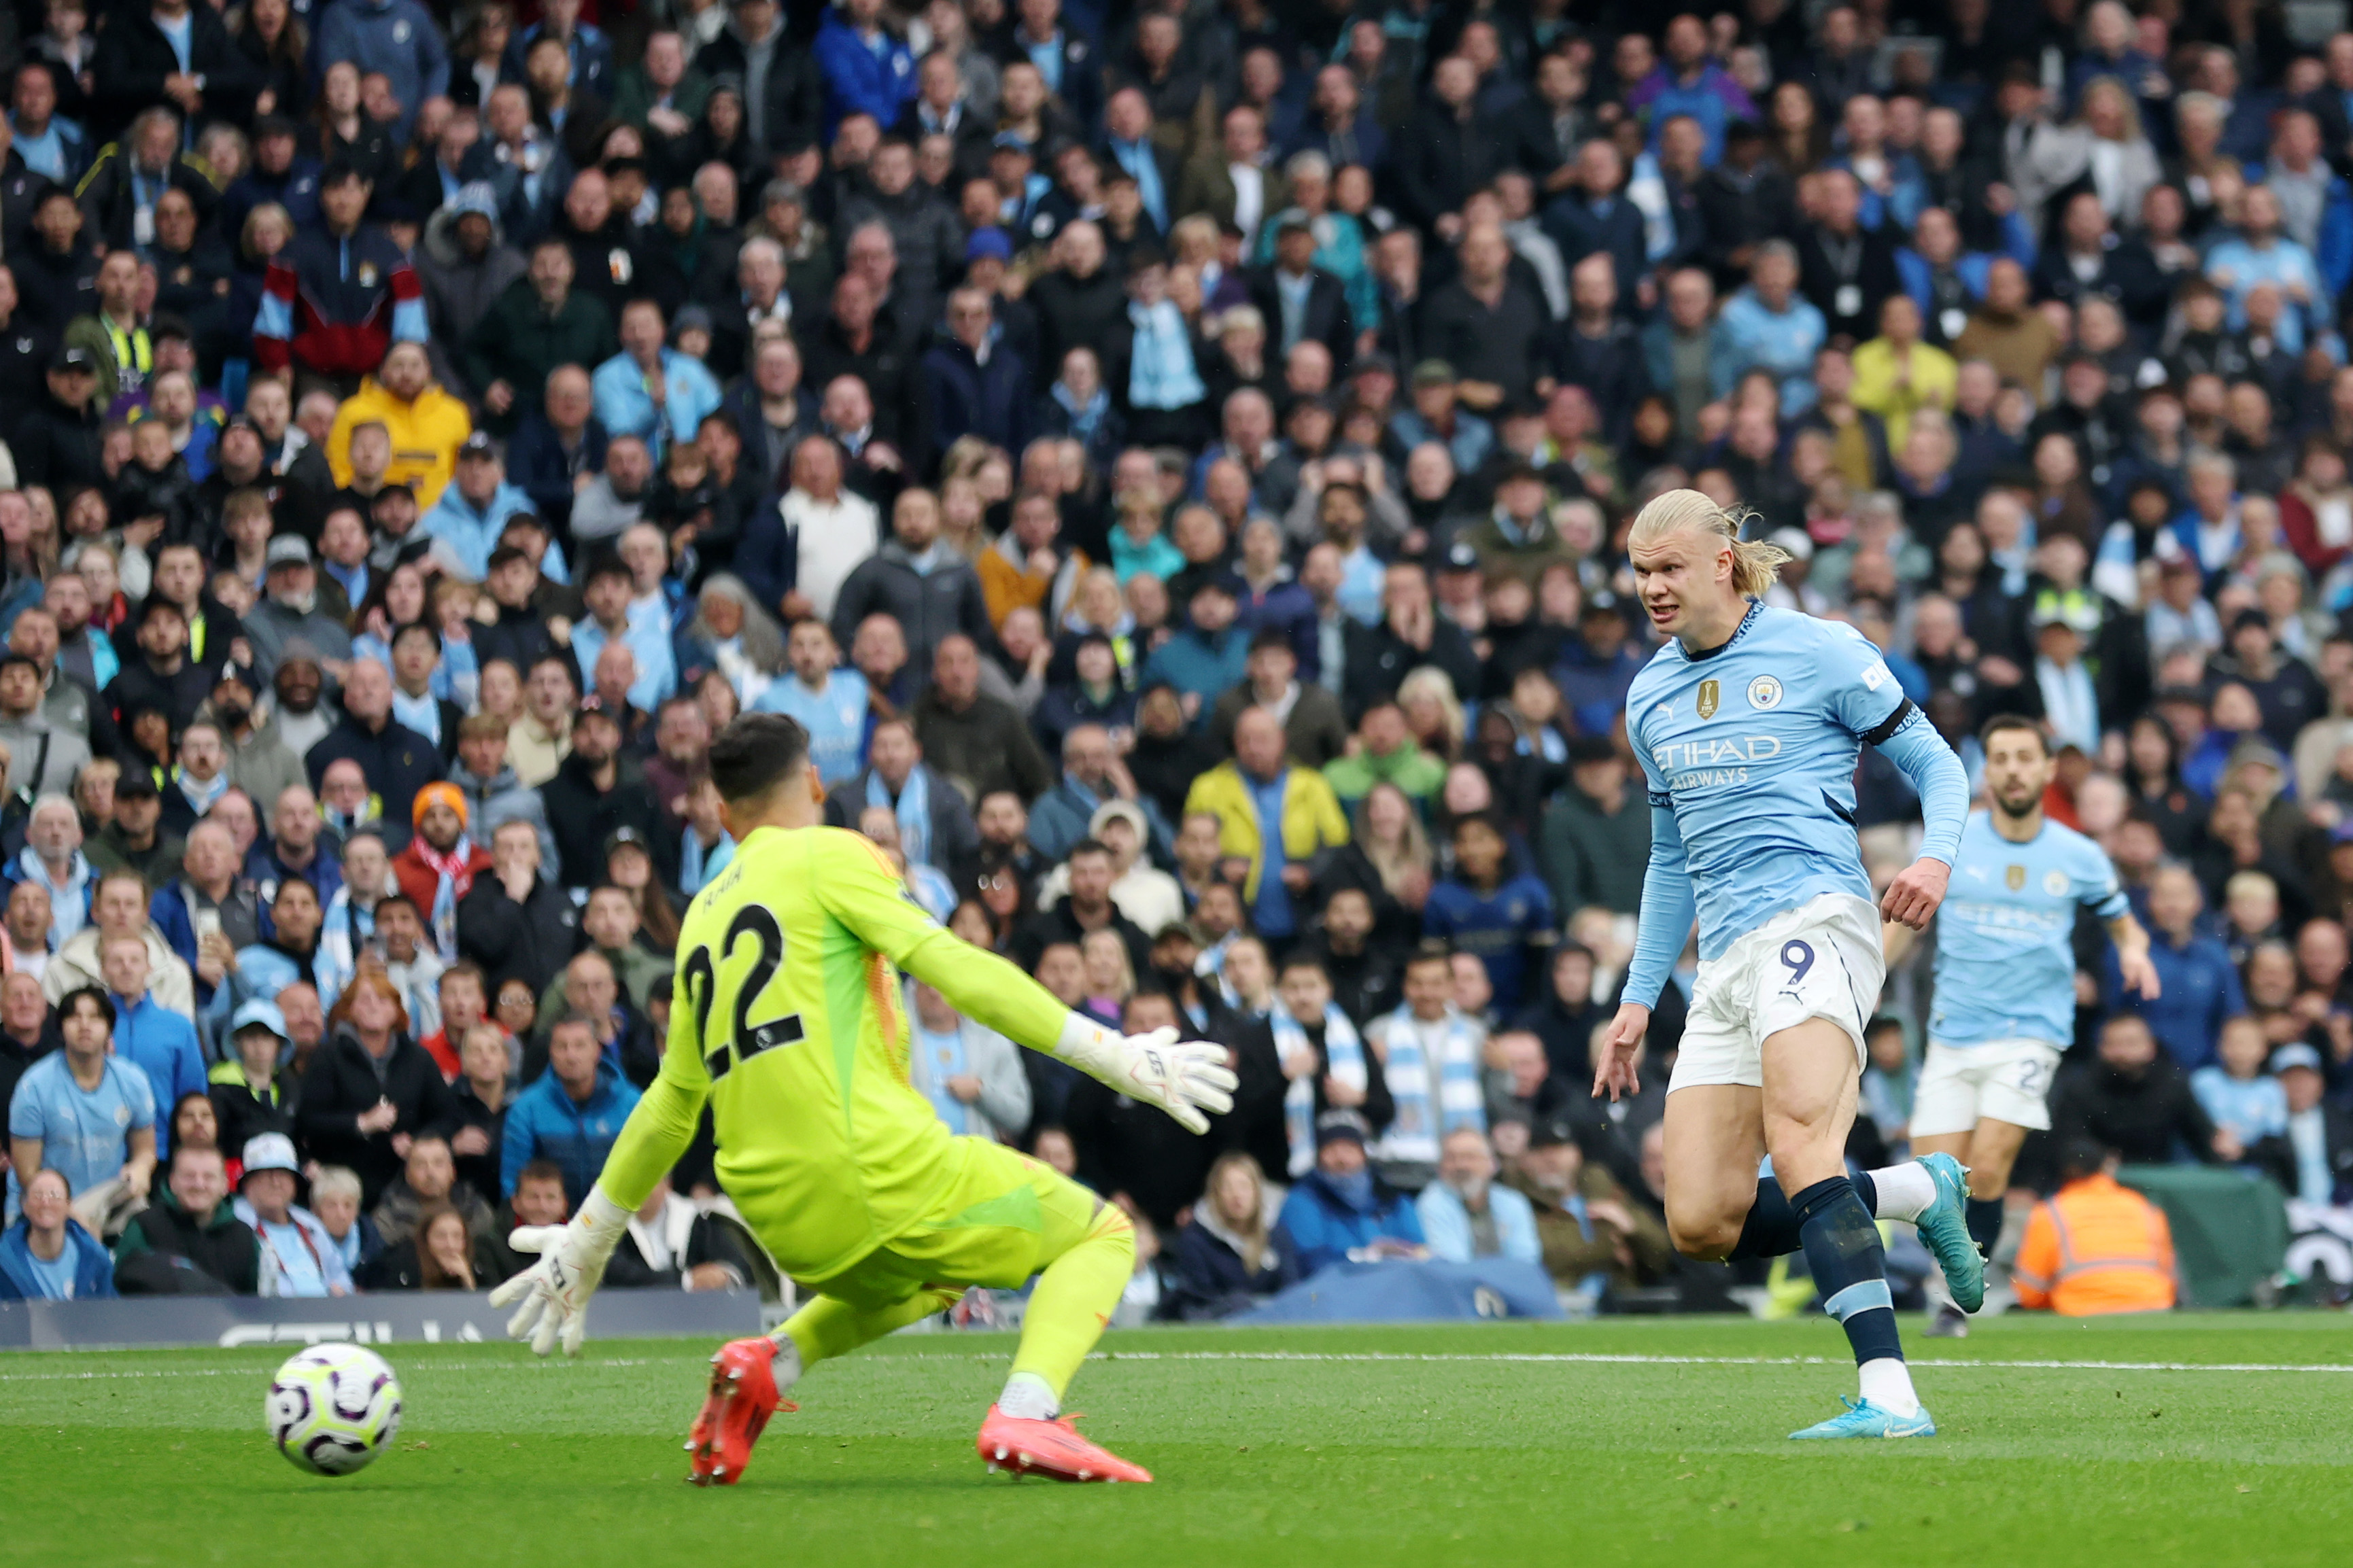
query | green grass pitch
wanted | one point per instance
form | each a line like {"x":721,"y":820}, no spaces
{"x":2204,"y":1439}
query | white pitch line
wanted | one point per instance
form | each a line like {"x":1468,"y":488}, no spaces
{"x":1595,"y":1358}
{"x":1563,"y":1358}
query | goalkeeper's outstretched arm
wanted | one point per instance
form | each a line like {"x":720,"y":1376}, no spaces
{"x":863,"y":891}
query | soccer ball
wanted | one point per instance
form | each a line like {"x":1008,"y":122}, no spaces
{"x":333,"y":1408}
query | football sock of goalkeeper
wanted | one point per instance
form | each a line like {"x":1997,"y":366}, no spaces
{"x":1850,"y":1270}
{"x":1902,"y":1192}
{"x":825,"y":1327}
{"x":1068,"y":1311}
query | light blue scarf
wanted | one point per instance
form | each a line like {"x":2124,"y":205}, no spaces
{"x":1344,"y":1053}
{"x":1086,"y":418}
{"x":201,"y":797}
{"x":68,"y":900}
{"x":422,"y":714}
{"x":1136,"y":158}
{"x":913,"y":810}
{"x":445,"y":895}
{"x":1160,"y":366}
{"x":1433,"y":1097}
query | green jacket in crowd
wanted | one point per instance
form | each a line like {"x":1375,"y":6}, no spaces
{"x":519,"y":342}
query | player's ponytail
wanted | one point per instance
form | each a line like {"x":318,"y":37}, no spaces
{"x":1755,"y":563}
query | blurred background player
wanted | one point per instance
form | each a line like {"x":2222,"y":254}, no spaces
{"x":1748,"y":723}
{"x":789,"y":1027}
{"x":2005,"y":1002}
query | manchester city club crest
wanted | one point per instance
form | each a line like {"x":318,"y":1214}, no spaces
{"x":1710,"y":697}
{"x":2054,"y":882}
{"x":2014,"y":877}
{"x":1763,"y":692}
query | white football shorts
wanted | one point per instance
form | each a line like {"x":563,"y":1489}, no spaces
{"x":1821,"y":960}
{"x":2006,"y":1081}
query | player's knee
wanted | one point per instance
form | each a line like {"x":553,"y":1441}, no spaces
{"x":1113,"y":1231}
{"x":1705,"y":1233}
{"x":1804,"y":1150}
{"x":1120,"y":1235}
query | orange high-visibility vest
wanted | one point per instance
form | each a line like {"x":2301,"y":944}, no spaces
{"x":2098,"y":1246}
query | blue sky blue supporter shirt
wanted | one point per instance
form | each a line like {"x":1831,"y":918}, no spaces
{"x":84,"y":1134}
{"x":2004,"y":936}
{"x":834,"y":718}
{"x":1749,"y":753}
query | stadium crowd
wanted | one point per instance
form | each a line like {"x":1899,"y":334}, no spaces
{"x":1173,"y":457}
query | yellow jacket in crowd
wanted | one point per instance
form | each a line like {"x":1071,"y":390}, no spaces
{"x":426,"y":435}
{"x":1311,"y":818}
{"x":1882,"y":388}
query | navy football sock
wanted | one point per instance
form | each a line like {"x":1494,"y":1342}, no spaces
{"x":1771,"y":1227}
{"x":1866,"y":1192}
{"x":1985,"y":1223}
{"x":1848,"y":1266}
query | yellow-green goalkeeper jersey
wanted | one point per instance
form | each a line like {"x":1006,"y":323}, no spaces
{"x":787,"y":1017}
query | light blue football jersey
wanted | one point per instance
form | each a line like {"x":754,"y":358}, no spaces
{"x":1753,"y":746}
{"x":2004,"y":936}
{"x":834,"y":718}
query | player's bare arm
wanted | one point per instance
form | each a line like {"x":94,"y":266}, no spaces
{"x":2132,"y":958}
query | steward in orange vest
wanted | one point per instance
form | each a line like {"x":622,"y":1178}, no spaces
{"x":2095,"y":1247}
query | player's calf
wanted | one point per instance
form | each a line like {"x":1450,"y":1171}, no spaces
{"x":1985,"y":1216}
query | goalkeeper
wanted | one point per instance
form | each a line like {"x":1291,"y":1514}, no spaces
{"x":787,"y":1020}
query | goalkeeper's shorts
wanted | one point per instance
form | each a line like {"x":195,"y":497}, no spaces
{"x":1002,"y":1218}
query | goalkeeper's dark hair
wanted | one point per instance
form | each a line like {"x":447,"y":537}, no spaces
{"x":756,"y":753}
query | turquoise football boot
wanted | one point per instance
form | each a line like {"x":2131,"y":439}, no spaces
{"x":1945,"y":1229}
{"x":1862,"y":1418}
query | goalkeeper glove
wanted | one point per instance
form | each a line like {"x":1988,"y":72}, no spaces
{"x":1184,"y":1079}
{"x":555,"y":1290}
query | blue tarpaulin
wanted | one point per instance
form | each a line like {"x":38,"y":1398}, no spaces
{"x":1399,"y":1293}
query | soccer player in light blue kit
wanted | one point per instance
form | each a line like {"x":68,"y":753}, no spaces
{"x":1747,"y":724}
{"x":2005,"y":1006}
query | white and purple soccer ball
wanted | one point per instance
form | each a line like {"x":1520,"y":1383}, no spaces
{"x":333,"y":1408}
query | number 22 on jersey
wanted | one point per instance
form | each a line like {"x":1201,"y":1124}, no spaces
{"x":744,"y":1038}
